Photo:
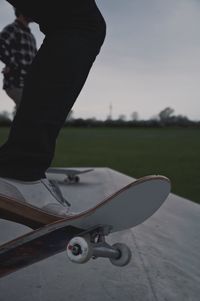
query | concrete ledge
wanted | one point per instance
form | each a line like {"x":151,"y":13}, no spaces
{"x":165,"y":264}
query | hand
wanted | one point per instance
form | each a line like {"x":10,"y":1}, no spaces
{"x":6,"y":70}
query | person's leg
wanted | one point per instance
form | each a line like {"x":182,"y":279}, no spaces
{"x":55,"y":79}
{"x":52,"y":85}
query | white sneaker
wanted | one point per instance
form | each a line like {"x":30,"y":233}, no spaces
{"x":41,"y":200}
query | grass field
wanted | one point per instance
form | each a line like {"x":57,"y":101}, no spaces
{"x":174,"y":153}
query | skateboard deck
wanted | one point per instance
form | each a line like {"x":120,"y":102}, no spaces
{"x":82,"y":235}
{"x":72,"y":175}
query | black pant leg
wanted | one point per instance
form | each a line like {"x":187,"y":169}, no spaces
{"x":54,"y":82}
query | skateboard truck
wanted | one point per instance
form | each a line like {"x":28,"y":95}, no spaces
{"x":92,"y":244}
{"x":72,"y":179}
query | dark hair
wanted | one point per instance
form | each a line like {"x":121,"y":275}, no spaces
{"x":17,"y":12}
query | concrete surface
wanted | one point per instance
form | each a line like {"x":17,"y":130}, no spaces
{"x":165,"y":248}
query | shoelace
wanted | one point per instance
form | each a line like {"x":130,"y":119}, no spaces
{"x":56,"y":189}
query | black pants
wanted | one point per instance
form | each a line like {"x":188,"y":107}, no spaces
{"x":53,"y":83}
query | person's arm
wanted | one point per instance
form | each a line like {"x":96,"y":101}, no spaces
{"x":7,"y":42}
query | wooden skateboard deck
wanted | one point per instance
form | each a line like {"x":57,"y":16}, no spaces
{"x":125,"y":209}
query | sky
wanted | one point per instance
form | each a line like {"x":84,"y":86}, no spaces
{"x":150,"y":60}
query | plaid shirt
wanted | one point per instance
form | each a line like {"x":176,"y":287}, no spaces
{"x":17,"y":50}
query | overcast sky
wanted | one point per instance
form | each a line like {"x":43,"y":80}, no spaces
{"x":150,"y":60}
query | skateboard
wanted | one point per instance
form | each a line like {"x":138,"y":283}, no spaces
{"x":72,"y":175}
{"x":83,"y":234}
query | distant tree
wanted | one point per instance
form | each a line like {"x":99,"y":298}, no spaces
{"x":181,"y":120}
{"x":122,"y":117}
{"x":166,"y":114}
{"x":134,"y":116}
{"x":167,"y":117}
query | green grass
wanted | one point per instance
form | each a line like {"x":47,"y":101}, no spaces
{"x":174,"y":153}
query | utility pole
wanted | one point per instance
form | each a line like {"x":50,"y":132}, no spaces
{"x":110,"y":112}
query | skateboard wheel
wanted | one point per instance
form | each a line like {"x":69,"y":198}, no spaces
{"x":124,"y":257}
{"x":72,"y":179}
{"x":76,"y":179}
{"x":79,"y":250}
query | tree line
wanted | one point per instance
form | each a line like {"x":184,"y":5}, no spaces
{"x":166,"y":117}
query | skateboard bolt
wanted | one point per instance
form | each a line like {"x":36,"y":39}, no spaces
{"x":75,"y":249}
